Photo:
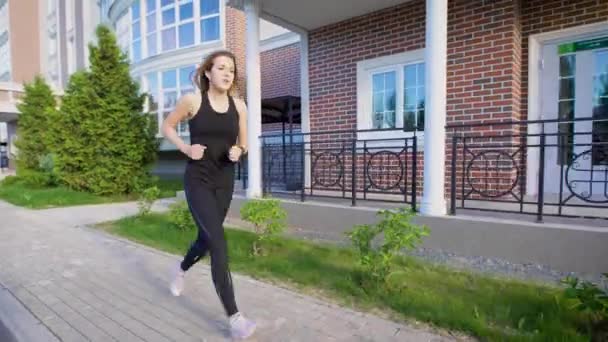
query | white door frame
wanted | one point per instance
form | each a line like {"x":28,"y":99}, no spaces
{"x":535,"y":45}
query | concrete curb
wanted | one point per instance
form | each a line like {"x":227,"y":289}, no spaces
{"x":20,"y":323}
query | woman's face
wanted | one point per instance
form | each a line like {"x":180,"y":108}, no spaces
{"x":221,"y":75}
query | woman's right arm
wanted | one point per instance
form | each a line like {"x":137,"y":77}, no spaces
{"x":182,"y":111}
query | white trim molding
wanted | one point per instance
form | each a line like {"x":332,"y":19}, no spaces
{"x":364,"y":93}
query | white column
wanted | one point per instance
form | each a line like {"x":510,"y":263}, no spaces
{"x":305,"y":104}
{"x":433,"y":195}
{"x":254,"y":98}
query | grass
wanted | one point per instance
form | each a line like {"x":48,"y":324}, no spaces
{"x":491,"y":309}
{"x":32,"y":197}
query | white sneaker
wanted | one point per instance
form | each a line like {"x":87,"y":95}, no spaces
{"x":241,"y":327}
{"x":177,"y":285}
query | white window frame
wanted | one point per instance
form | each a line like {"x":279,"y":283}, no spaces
{"x":365,"y":71}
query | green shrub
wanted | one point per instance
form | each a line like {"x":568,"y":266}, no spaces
{"x":146,"y":200}
{"x":35,"y":179}
{"x":35,"y":111}
{"x":268,"y":219}
{"x":180,"y":216}
{"x":10,"y":180}
{"x":592,"y":300}
{"x":107,"y":144}
{"x":399,"y":233}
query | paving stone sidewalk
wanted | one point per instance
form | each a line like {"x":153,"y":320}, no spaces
{"x":84,"y":285}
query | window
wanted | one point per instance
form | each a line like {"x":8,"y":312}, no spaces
{"x":152,"y":103}
{"x":122,"y":33}
{"x":151,"y":27}
{"x":383,"y":99}
{"x":567,"y":71}
{"x":177,"y":24}
{"x":136,"y":31}
{"x":391,"y":93}
{"x":185,"y":87}
{"x":599,"y":152}
{"x":165,"y":88}
{"x":171,"y":25}
{"x":210,"y":20}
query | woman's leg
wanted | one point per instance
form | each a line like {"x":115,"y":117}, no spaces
{"x":204,"y":204}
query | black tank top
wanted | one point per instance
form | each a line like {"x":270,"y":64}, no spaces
{"x":218,"y":132}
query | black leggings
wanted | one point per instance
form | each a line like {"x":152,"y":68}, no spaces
{"x":209,"y":208}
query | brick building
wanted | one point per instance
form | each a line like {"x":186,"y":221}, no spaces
{"x":403,"y":69}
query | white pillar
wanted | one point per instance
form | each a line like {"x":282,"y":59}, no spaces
{"x":305,"y":104}
{"x":433,"y":195}
{"x":254,"y":98}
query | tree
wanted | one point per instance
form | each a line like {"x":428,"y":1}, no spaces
{"x":108,"y":143}
{"x":34,"y":118}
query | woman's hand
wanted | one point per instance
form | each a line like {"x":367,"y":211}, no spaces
{"x":235,"y":153}
{"x":195,"y":151}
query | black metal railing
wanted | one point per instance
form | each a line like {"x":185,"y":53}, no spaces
{"x":343,"y":164}
{"x":541,"y":167}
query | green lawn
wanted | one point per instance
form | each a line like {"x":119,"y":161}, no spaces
{"x":489,"y":308}
{"x":20,"y":194}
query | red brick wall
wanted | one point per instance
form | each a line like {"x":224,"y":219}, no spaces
{"x":236,"y":25}
{"x":484,"y":64}
{"x":334,"y":51}
{"x":281,"y":71}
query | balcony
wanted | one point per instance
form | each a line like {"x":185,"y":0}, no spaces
{"x":10,"y":93}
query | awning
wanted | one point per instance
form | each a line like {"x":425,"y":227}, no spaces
{"x":313,"y":14}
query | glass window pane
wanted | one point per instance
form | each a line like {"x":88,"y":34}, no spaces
{"x":566,"y":66}
{"x":409,"y":118}
{"x":420,"y":122}
{"x":421,"y":97}
{"x":186,"y":11}
{"x":183,"y":127}
{"x":410,"y":76}
{"x":135,"y":10}
{"x":168,"y":39}
{"x":152,"y":80}
{"x":389,"y":101}
{"x":166,"y":2}
{"x":600,"y":87}
{"x":151,"y":38}
{"x":185,"y":77}
{"x":136,"y":30}
{"x":566,"y":88}
{"x":566,"y":110}
{"x":210,"y":7}
{"x":210,"y":29}
{"x":377,"y":100}
{"x":137,"y":51}
{"x":169,"y":16}
{"x":150,"y":5}
{"x":151,"y":23}
{"x":169,"y":99}
{"x":421,"y":75}
{"x":186,"y":34}
{"x":410,"y":97}
{"x":601,"y":62}
{"x":377,"y":82}
{"x":389,"y":80}
{"x":169,"y":79}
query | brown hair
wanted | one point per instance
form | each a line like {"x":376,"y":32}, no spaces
{"x":202,"y":82}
